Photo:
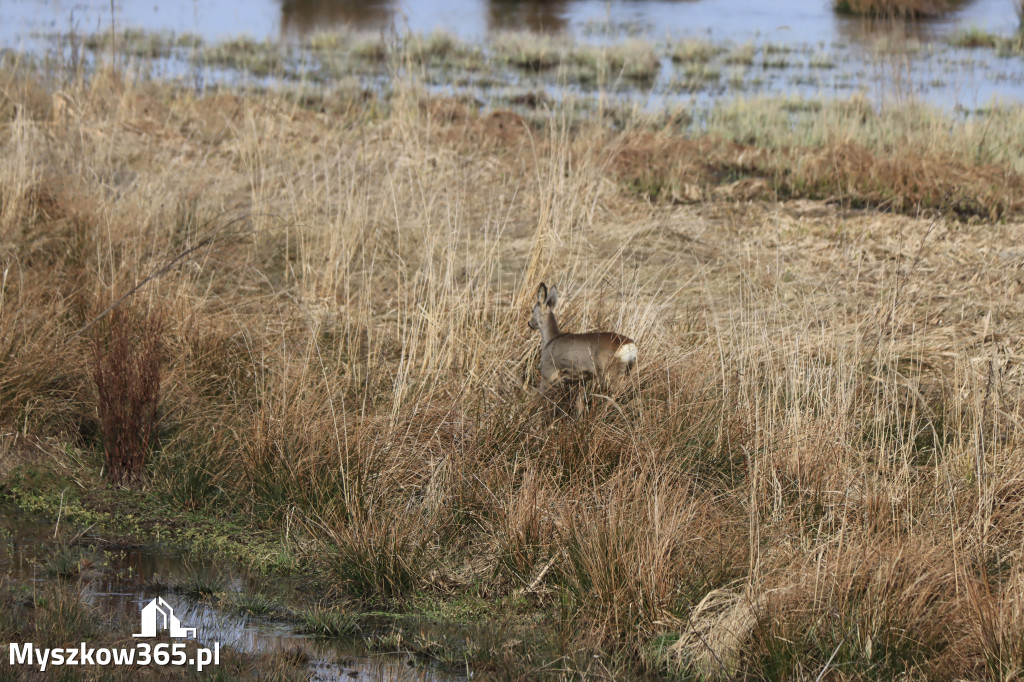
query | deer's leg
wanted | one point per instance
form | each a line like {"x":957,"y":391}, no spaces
{"x":613,"y":381}
{"x":581,"y":398}
{"x":619,"y":378}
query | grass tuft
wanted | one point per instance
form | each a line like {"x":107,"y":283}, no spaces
{"x":254,"y":603}
{"x":694,"y":51}
{"x":974,"y":36}
{"x":63,"y":561}
{"x":200,"y":582}
{"x":328,"y":623}
{"x":258,"y":57}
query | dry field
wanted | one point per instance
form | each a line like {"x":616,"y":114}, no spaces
{"x":817,"y":473}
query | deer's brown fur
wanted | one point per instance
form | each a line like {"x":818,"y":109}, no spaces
{"x":568,"y":357}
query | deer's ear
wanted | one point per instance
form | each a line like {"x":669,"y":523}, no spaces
{"x":552,"y":298}
{"x":542,"y":293}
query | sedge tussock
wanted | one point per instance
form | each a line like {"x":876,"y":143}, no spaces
{"x":717,"y":632}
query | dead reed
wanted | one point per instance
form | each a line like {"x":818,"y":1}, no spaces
{"x":126,"y":369}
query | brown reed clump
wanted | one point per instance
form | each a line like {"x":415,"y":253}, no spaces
{"x":126,"y":370}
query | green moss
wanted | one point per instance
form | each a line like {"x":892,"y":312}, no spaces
{"x":134,"y":516}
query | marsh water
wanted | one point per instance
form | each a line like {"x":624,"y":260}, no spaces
{"x":120,"y":582}
{"x":799,"y":48}
{"x":804,"y":20}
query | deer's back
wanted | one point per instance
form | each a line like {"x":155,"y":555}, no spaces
{"x":588,"y":354}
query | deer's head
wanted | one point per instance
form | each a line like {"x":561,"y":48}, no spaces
{"x":546,"y":300}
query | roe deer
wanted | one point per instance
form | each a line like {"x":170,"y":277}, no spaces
{"x":576,"y":357}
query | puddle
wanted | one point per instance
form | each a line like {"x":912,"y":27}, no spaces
{"x":121,"y":582}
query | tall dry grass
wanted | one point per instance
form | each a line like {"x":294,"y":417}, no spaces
{"x":815,"y":474}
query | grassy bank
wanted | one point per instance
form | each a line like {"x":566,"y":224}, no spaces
{"x":816,"y":469}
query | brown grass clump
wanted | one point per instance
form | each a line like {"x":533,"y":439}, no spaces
{"x":880,"y":606}
{"x":685,"y":170}
{"x":998,"y":623}
{"x":127,"y":374}
{"x":814,"y":472}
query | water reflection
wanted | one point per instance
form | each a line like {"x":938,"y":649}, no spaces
{"x":120,"y":583}
{"x":869,"y":31}
{"x":739,"y":19}
{"x":541,"y":16}
{"x":301,"y":17}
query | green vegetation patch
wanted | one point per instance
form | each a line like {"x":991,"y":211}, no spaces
{"x":135,"y":517}
{"x":144,"y":44}
{"x":974,"y":37}
{"x":258,"y":57}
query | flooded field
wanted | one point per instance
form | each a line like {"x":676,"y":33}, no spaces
{"x":801,"y":20}
{"x":652,"y":54}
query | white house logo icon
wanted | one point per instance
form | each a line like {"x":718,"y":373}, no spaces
{"x":158,"y":615}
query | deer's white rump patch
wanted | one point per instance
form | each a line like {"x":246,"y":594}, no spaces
{"x":627,"y":353}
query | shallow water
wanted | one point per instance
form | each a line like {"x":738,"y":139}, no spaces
{"x":803,"y":48}
{"x":801,"y":20}
{"x":121,"y":582}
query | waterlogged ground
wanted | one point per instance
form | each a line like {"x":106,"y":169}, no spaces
{"x":231,"y":607}
{"x":648,"y":54}
{"x":215,"y":20}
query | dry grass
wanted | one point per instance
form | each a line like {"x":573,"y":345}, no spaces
{"x":825,"y":422}
{"x":849,"y":152}
{"x":686,"y":170}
